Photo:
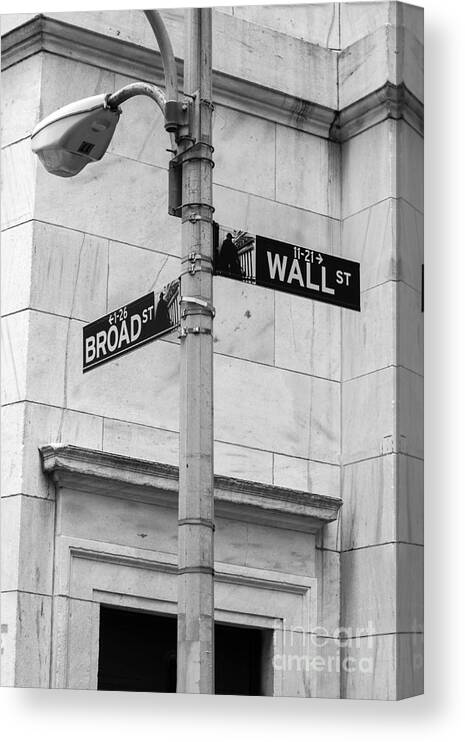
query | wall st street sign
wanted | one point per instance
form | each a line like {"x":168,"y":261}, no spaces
{"x":286,"y":267}
{"x":131,"y":326}
{"x":306,"y":272}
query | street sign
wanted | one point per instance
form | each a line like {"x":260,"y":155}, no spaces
{"x":306,"y":272}
{"x":286,"y":267}
{"x":130,"y":326}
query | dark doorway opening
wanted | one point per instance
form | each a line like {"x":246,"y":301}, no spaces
{"x":137,"y":652}
{"x":238,"y":660}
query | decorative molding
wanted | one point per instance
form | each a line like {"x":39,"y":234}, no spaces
{"x":264,"y":578}
{"x":235,"y":574}
{"x":167,"y":563}
{"x":43,"y":34}
{"x":389,"y":101}
{"x":150,"y":481}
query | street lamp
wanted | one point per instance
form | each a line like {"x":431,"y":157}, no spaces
{"x":68,"y":139}
{"x":79,"y":134}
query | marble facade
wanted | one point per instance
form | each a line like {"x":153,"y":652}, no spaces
{"x":309,"y":398}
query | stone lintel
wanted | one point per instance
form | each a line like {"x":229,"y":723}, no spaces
{"x":125,"y":477}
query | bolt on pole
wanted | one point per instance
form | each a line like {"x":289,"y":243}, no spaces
{"x":195,"y":659}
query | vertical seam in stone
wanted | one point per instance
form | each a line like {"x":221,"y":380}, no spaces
{"x":397,"y":442}
{"x":52,"y":599}
{"x":65,"y":370}
{"x":108,"y":275}
{"x":275,"y":161}
{"x":35,"y":189}
{"x":337,"y":62}
{"x":274,"y":329}
{"x":340,"y":517}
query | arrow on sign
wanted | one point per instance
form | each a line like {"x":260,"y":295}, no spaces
{"x":319,"y":258}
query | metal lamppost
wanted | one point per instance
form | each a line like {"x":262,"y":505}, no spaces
{"x":196,"y":507}
{"x":68,"y":140}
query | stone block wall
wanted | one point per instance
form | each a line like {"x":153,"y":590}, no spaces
{"x":307,"y":395}
{"x":382,"y":369}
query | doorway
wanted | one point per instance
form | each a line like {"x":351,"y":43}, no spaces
{"x":137,"y":652}
{"x":238,"y":660}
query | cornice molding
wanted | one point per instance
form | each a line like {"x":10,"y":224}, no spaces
{"x":389,"y":101}
{"x":125,"y":477}
{"x":43,"y":34}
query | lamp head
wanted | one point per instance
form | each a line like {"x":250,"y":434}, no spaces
{"x":79,"y":133}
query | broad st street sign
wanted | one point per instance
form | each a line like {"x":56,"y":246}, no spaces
{"x":131,"y":326}
{"x":286,"y":267}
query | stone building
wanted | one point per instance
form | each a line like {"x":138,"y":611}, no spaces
{"x":318,"y":409}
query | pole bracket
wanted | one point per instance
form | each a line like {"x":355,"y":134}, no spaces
{"x":185,"y":331}
{"x":207,"y":103}
{"x":193,"y":256}
{"x":196,"y":522}
{"x":199,"y":302}
{"x":197,"y":151}
{"x":195,"y":261}
{"x":201,"y":568}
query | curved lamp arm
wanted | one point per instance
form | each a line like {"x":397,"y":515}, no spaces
{"x":137,"y":88}
{"x":167,"y":54}
{"x":115,"y":99}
